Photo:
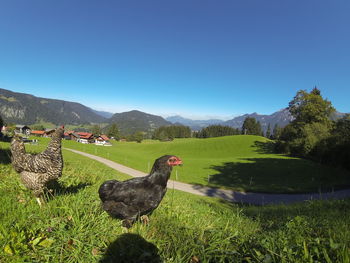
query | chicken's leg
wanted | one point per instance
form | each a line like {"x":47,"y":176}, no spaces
{"x":144,"y":219}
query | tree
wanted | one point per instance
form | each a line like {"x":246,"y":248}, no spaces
{"x":38,"y":127}
{"x":310,"y":107}
{"x":342,"y":129}
{"x":268,"y":131}
{"x":96,"y":130}
{"x":311,"y":125}
{"x":251,"y":126}
{"x":217,"y":131}
{"x":165,"y":133}
{"x":138,"y":137}
{"x":113,"y":131}
{"x":276,"y":133}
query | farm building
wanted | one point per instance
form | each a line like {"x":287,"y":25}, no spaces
{"x":69,"y":135}
{"x":38,"y":133}
{"x":83,"y":137}
{"x":22,"y":129}
{"x":102,"y":140}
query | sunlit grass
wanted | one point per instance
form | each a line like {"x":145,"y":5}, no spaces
{"x":242,"y":162}
{"x":72,"y":227}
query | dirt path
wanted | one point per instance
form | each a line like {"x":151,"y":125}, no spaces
{"x":229,"y":195}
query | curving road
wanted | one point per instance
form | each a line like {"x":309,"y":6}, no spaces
{"x":228,"y":195}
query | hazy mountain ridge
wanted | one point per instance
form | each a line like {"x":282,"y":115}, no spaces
{"x":193,"y":124}
{"x":27,"y":109}
{"x":104,"y":114}
{"x":281,"y":118}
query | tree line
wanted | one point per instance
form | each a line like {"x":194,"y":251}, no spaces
{"x":313,"y":134}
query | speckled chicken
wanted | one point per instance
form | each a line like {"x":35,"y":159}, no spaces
{"x":136,"y":197}
{"x":37,"y":170}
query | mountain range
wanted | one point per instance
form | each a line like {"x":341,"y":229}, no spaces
{"x":281,"y":118}
{"x":193,"y":124}
{"x":20,"y":108}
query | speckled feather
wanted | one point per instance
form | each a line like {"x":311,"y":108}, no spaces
{"x":37,"y":170}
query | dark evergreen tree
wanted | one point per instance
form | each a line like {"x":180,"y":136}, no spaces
{"x":276,"y":133}
{"x":217,"y":131}
{"x":166,"y":133}
{"x":268,"y":131}
{"x":251,"y":126}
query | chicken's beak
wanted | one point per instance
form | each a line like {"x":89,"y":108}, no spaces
{"x":175,"y":161}
{"x":179,"y":162}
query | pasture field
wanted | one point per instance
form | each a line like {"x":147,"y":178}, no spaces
{"x":241,"y":162}
{"x":72,"y":227}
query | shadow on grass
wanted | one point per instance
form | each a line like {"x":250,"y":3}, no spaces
{"x":5,"y":156}
{"x":278,"y":175}
{"x":131,"y":248}
{"x":271,"y":216}
{"x":58,"y":189}
{"x":264,"y":147}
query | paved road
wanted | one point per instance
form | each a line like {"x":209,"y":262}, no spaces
{"x":229,"y":195}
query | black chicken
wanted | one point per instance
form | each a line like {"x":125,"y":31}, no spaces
{"x":136,"y":197}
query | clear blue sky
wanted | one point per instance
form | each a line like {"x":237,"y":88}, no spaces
{"x":195,"y":58}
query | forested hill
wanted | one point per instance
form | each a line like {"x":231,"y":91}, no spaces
{"x":20,"y":108}
{"x":134,"y":121}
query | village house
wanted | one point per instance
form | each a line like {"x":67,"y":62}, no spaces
{"x":37,"y":133}
{"x":83,"y":137}
{"x":86,"y":137}
{"x":22,"y":129}
{"x":102,"y":140}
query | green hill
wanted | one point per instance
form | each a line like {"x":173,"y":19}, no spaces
{"x":241,"y":162}
{"x":134,"y":121}
{"x":72,"y":227}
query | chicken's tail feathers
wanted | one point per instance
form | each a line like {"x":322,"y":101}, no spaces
{"x":106,"y":189}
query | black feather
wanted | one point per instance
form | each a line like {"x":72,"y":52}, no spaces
{"x":138,"y":196}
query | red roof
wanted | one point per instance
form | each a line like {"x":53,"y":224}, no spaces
{"x":84,"y":133}
{"x":38,"y":132}
{"x":104,"y":137}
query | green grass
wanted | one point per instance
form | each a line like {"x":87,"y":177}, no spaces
{"x":244,"y":163}
{"x":71,"y":226}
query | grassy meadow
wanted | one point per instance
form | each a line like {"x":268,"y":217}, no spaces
{"x":72,"y":227}
{"x":241,"y":162}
